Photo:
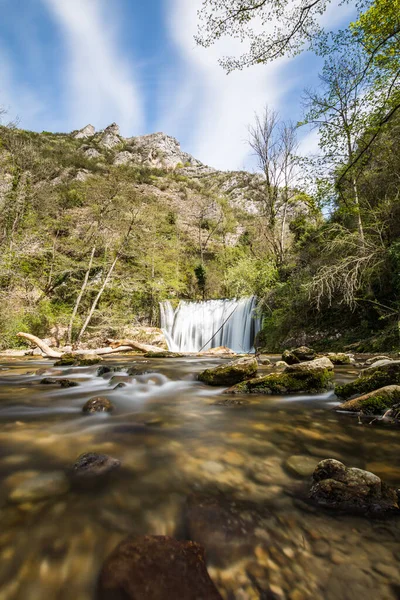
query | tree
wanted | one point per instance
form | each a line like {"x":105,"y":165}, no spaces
{"x":339,"y":111}
{"x":274,"y":144}
{"x":286,"y":26}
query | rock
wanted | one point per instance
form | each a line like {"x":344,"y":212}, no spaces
{"x":296,"y":355}
{"x":64,"y":383}
{"x":163,"y":354}
{"x":280,"y":365}
{"x":301,"y":465}
{"x":370,"y":379}
{"x":316,"y":364}
{"x":226,"y":528}
{"x":156,"y":568}
{"x":85,"y":132}
{"x":375,"y":359}
{"x":162,"y":151}
{"x":230,"y":373}
{"x":123,"y":158}
{"x":317,"y":379}
{"x":232,"y":402}
{"x":78,"y":360}
{"x":351,"y":490}
{"x":374,"y":403}
{"x":339,"y":358}
{"x":263,"y":360}
{"x":92,"y":153}
{"x":40,"y":487}
{"x":91,"y":468}
{"x":105,"y":369}
{"x":220,"y":350}
{"x":98,"y":404}
{"x":110,"y":137}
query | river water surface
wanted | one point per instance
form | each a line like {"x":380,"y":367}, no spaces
{"x":176,"y":442}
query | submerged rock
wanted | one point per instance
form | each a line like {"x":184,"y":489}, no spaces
{"x":40,"y":487}
{"x":374,"y":403}
{"x":375,"y":359}
{"x":156,"y":568}
{"x":371,"y":379}
{"x":78,"y":360}
{"x":351,"y":490}
{"x":226,"y":528}
{"x":104,"y":369}
{"x":91,"y":467}
{"x":301,"y":465}
{"x":296,"y":355}
{"x":64,"y":383}
{"x":230,"y":373}
{"x":98,"y":404}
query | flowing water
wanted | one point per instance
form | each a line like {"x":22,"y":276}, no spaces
{"x":196,"y":326}
{"x":174,"y":442}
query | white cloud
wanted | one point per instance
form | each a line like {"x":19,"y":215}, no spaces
{"x":100,"y":86}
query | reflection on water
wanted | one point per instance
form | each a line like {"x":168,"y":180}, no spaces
{"x":175,"y":443}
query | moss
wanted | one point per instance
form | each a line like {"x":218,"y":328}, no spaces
{"x":231,"y":373}
{"x":77,"y":360}
{"x":368,"y":383}
{"x":163,"y":354}
{"x":313,"y":381}
{"x":339,"y":358}
{"x":374,"y":403}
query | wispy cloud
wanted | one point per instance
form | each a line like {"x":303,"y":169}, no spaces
{"x":100,"y":86}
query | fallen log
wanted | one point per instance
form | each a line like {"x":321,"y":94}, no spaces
{"x":126,"y":346}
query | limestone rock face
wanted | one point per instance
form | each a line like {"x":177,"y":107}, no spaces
{"x":375,"y":402}
{"x":92,"y":153}
{"x":230,"y":373}
{"x":161,"y":150}
{"x":156,"y":568}
{"x":351,"y":490}
{"x":123,"y":158}
{"x":110,"y":137}
{"x":85,"y":132}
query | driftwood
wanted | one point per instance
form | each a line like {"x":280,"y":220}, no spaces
{"x":115,"y":346}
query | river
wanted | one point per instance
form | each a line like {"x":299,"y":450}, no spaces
{"x":176,"y":442}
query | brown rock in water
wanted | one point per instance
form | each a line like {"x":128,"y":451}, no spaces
{"x":220,"y":350}
{"x":98,"y":404}
{"x":156,"y":568}
{"x":92,"y":468}
{"x":230,"y":373}
{"x":351,"y":490}
{"x":297,"y":355}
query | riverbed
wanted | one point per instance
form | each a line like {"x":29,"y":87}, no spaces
{"x":177,"y":443}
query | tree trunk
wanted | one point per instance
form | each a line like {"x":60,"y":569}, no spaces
{"x":79,"y":298}
{"x":96,"y":300}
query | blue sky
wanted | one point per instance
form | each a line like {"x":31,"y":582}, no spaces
{"x":67,"y":63}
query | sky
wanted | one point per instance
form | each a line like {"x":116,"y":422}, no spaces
{"x":67,"y":63}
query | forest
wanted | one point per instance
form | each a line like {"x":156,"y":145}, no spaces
{"x":91,"y":244}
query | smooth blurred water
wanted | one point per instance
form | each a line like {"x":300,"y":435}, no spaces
{"x":174,"y":441}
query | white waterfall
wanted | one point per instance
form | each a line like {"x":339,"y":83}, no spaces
{"x":194,"y":326}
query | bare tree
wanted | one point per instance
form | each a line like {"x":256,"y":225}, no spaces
{"x":274,"y":144}
{"x":80,"y":296}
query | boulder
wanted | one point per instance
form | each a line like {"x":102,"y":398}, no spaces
{"x":98,"y":404}
{"x":263,"y":360}
{"x":280,"y":365}
{"x":314,"y":380}
{"x":103,"y":370}
{"x":375,"y":359}
{"x":370,"y":379}
{"x":311,"y":365}
{"x":91,"y":468}
{"x":230,"y":373}
{"x":156,"y":568}
{"x":78,"y":360}
{"x":339,"y":358}
{"x":351,"y":490}
{"x":123,"y":158}
{"x":40,"y":487}
{"x":296,"y":355}
{"x":85,"y":132}
{"x":373,"y":403}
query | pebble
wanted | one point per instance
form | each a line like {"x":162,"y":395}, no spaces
{"x":40,"y":487}
{"x":213,"y":467}
{"x":301,"y":465}
{"x":389,"y":571}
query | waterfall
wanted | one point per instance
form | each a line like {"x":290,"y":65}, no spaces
{"x":233,"y":323}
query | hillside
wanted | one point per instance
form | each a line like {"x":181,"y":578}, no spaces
{"x":176,"y":228}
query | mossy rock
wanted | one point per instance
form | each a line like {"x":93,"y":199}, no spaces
{"x":370,"y":380}
{"x":230,"y":373}
{"x":297,"y":355}
{"x":163,"y":354}
{"x":374,"y":403}
{"x":78,"y":360}
{"x":339,"y":358}
{"x":317,"y":380}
